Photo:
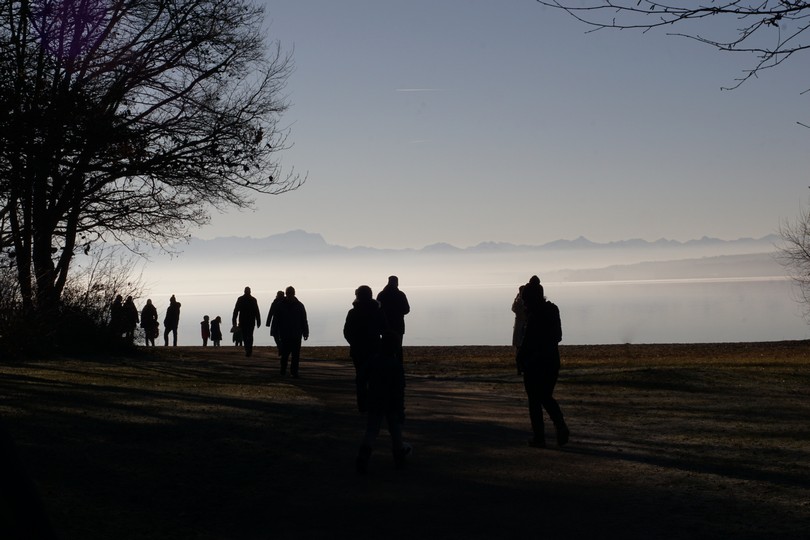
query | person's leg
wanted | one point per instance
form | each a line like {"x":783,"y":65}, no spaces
{"x":174,"y":336}
{"x":166,"y":336}
{"x":296,"y":355}
{"x":531,"y":383}
{"x":546,"y":389}
{"x":373,"y":423}
{"x":247,"y":335}
{"x":285,"y":354}
{"x":361,"y":383}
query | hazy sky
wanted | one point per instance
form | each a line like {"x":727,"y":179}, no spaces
{"x":464,"y":121}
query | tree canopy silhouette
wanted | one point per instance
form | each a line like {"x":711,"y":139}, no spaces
{"x":129,"y":120}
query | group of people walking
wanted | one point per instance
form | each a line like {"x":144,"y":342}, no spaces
{"x":374,"y":330}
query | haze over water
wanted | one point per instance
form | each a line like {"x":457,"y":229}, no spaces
{"x":464,"y":298}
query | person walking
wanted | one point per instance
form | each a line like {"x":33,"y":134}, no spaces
{"x":246,"y":311}
{"x":395,"y":305}
{"x":539,"y":359}
{"x":363,"y":330}
{"x":272,"y":320}
{"x":216,"y":331}
{"x":170,"y":321}
{"x":149,"y":322}
{"x":292,"y":326}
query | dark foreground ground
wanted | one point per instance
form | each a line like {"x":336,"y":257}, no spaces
{"x":668,"y":441}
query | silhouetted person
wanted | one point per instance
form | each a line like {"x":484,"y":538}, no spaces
{"x":520,"y":324}
{"x":272,"y":320}
{"x":292,"y":326}
{"x":205,"y":330}
{"x":539,"y":359}
{"x":395,"y":306}
{"x":117,"y":316}
{"x":216,"y":331}
{"x":246,"y":311}
{"x":130,"y":319}
{"x":386,"y":399}
{"x":149,"y":322}
{"x":363,"y":330}
{"x":170,"y":321}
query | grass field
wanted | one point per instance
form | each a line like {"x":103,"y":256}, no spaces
{"x":668,"y":441}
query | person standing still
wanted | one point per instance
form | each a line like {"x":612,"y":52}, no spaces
{"x":246,"y":311}
{"x":205,"y":330}
{"x":520,"y":324}
{"x":171,"y":321}
{"x":292,"y":326}
{"x":216,"y":330}
{"x":130,"y":319}
{"x":539,"y":359}
{"x":395,"y":305}
{"x":149,"y":322}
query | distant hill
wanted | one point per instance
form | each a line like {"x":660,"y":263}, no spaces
{"x":302,"y":242}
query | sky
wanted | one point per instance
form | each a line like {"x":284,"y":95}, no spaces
{"x":464,"y":121}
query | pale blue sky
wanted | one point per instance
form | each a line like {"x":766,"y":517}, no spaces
{"x":465,"y":121}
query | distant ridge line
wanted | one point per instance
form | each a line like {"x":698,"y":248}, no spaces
{"x":303,"y":241}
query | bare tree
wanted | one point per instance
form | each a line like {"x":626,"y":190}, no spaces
{"x":130,"y":120}
{"x":771,"y":31}
{"x":794,"y":254}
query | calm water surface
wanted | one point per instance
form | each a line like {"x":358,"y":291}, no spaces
{"x":677,"y":311}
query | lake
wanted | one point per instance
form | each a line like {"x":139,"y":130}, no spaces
{"x":608,"y":312}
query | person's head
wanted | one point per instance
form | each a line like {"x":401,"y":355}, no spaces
{"x":119,"y":298}
{"x":280,"y":294}
{"x":532,"y":294}
{"x":363,"y":292}
{"x":393,"y":281}
{"x":148,"y":301}
{"x":205,"y":318}
{"x":534,"y":280}
{"x":172,"y":300}
{"x":290,"y":291}
{"x":218,"y":319}
{"x":247,"y":291}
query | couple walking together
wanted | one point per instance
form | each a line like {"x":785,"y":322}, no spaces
{"x":287,"y":319}
{"x":374,"y":330}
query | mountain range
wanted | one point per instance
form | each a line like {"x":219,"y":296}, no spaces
{"x":302,"y":242}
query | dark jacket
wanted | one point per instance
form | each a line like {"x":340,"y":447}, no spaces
{"x":149,"y":316}
{"x":172,"y":316}
{"x":247,"y":311}
{"x":292,"y":318}
{"x":395,"y":305}
{"x":543,"y":333}
{"x":365,"y":324}
{"x":272,"y":319}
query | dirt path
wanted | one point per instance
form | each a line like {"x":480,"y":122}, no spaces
{"x":207,"y":444}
